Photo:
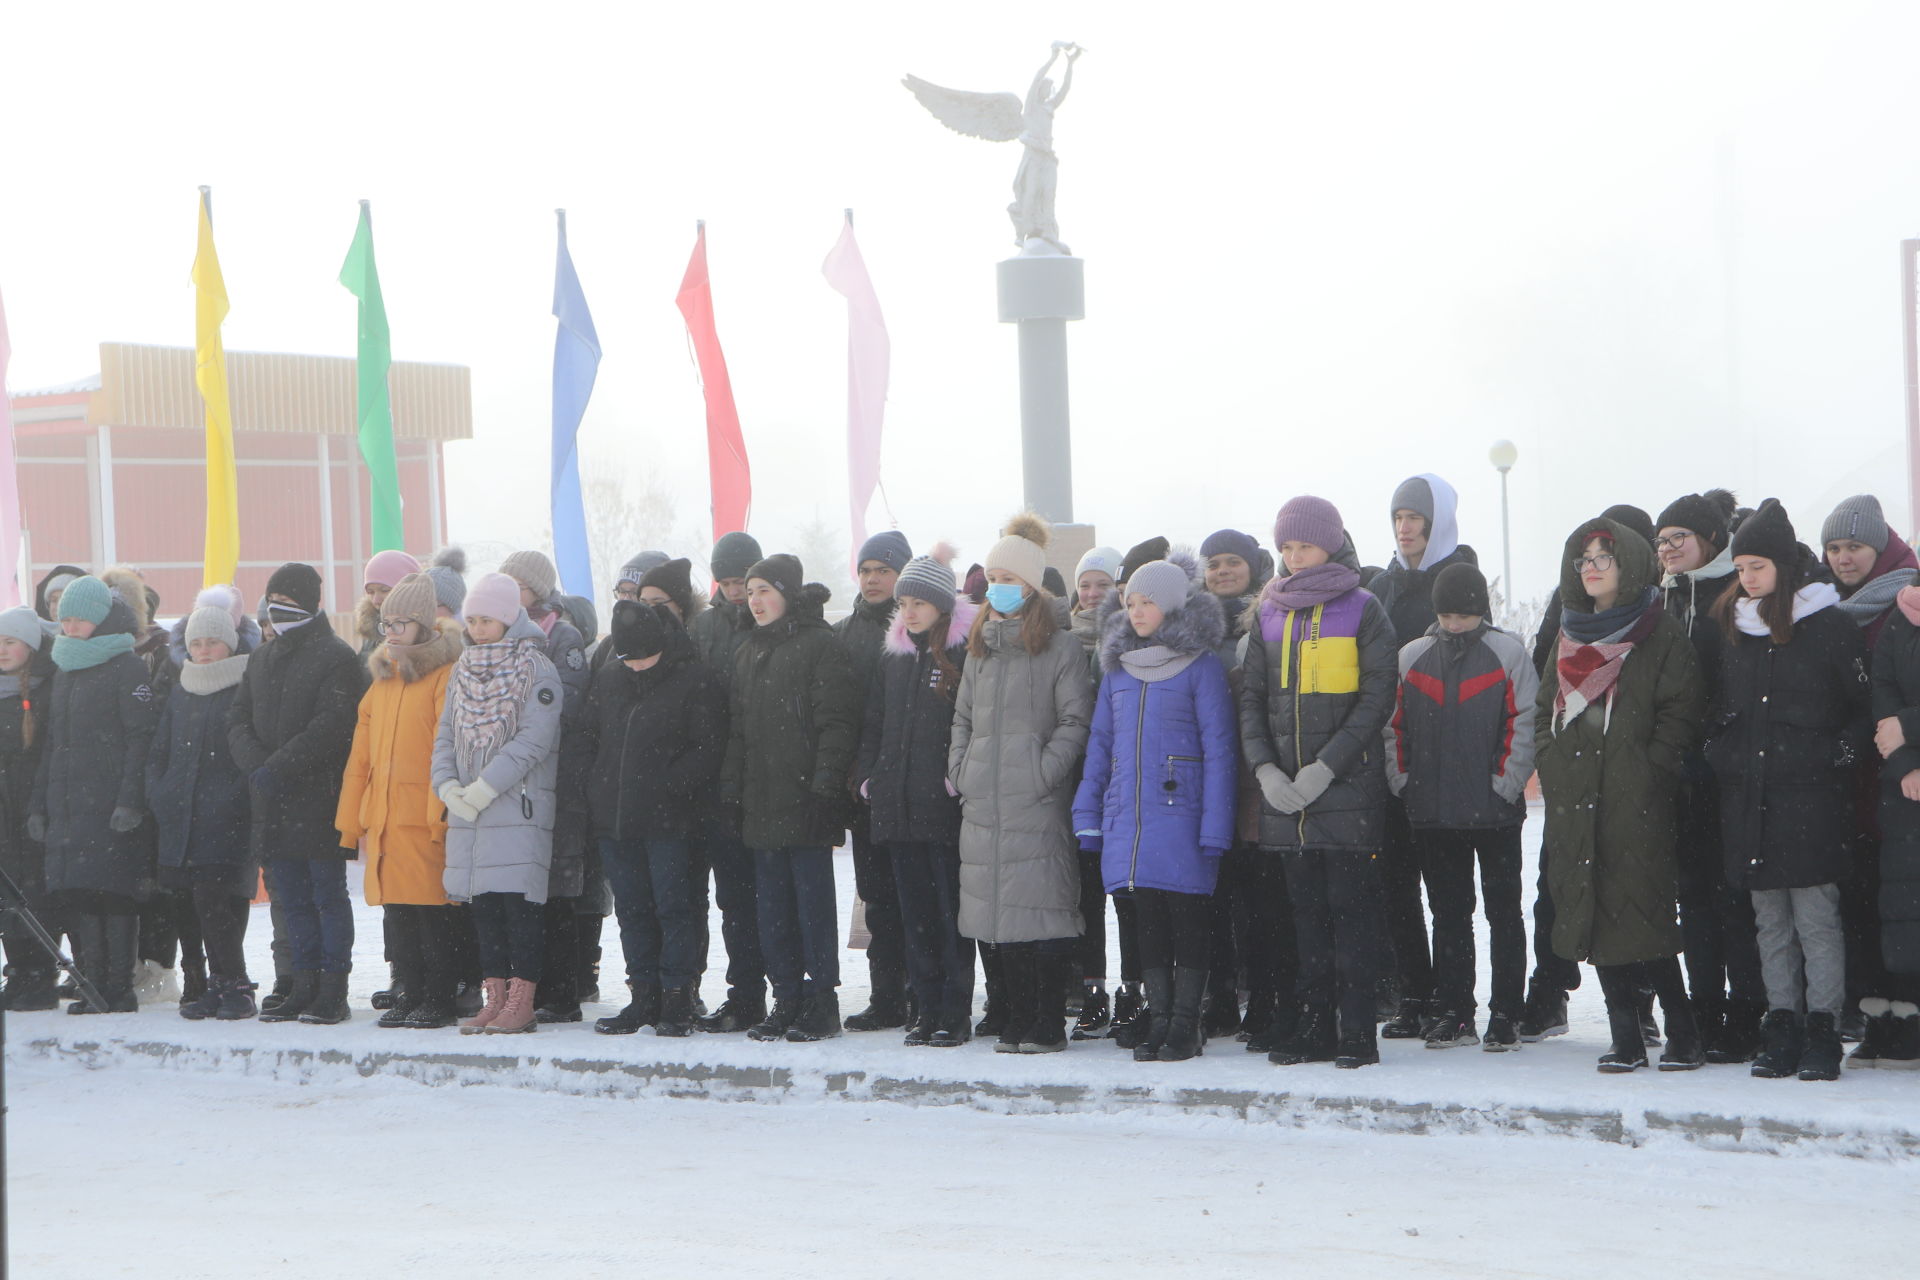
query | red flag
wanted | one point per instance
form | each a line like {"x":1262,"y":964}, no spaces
{"x":730,"y":476}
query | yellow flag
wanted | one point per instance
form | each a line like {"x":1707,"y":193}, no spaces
{"x":210,"y":375}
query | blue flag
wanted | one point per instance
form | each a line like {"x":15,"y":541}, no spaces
{"x":576,"y":361}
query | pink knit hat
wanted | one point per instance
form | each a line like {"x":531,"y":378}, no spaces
{"x":1310,"y":519}
{"x":494,"y":596}
{"x":388,"y":567}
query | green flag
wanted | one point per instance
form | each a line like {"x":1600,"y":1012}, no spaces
{"x":362,"y":280}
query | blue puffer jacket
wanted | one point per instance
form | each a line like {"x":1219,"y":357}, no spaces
{"x":1163,"y":755}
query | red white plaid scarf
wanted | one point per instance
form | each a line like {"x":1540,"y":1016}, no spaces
{"x":1588,"y":672}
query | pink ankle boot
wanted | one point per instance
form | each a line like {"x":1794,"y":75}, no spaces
{"x":495,"y":992}
{"x":517,"y":1014}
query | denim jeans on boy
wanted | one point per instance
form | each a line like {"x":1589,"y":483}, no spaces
{"x":653,"y":898}
{"x":312,"y":896}
{"x":799,"y":930}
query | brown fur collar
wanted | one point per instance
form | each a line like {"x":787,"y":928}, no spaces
{"x":416,"y":662}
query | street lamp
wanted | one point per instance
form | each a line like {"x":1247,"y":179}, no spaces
{"x":1503,"y":455}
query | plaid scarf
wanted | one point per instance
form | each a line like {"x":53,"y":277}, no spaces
{"x":491,"y":682}
{"x":1588,"y":672}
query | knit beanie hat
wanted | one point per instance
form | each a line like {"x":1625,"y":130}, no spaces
{"x":1633,"y":517}
{"x":1142,"y":553}
{"x":783,"y":572}
{"x":675,"y":577}
{"x":889,"y":547}
{"x":1162,"y":582}
{"x":1858,"y":519}
{"x":636,"y":569}
{"x":87,"y":599}
{"x":1414,"y":494}
{"x":388,"y":567}
{"x":1311,"y":520}
{"x":1105,"y":560}
{"x":1022,"y":551}
{"x":733,"y":555}
{"x":208,"y":623}
{"x":495,"y":596}
{"x":1461,"y":588}
{"x":413,"y":600}
{"x":927,"y":579}
{"x":532,"y":570}
{"x":1767,"y":533}
{"x":299,"y":583}
{"x":448,"y":571}
{"x":223,"y":596}
{"x":1709,"y":515}
{"x":24,"y":625}
{"x":639,"y":630}
{"x":1231,"y":542}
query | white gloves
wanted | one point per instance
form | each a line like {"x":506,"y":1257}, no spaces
{"x":1278,"y":789}
{"x":452,"y":795}
{"x":1312,"y":782}
{"x":478,"y":795}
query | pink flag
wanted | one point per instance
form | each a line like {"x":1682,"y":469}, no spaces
{"x":728,"y":473}
{"x":10,"y":592}
{"x":868,"y":357}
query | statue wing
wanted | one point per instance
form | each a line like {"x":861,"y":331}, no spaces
{"x":993,"y":116}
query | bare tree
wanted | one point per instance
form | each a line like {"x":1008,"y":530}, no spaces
{"x":822,"y":549}
{"x":624,"y":519}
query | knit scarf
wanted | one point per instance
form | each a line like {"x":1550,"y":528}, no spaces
{"x":1588,"y":669}
{"x":490,"y":683}
{"x":1875,"y":597}
{"x":1303,"y":590}
{"x":211,"y":677}
{"x":71,"y":653}
{"x":1154,"y":662}
{"x":1909,"y":602}
{"x":1809,"y":599}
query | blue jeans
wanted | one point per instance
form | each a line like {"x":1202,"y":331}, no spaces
{"x":312,"y":896}
{"x":653,"y":899}
{"x":799,"y":932}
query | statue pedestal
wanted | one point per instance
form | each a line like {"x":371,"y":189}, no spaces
{"x":1064,"y":549}
{"x":1040,"y":293}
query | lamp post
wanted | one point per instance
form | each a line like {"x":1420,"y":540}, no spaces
{"x":1503,"y":455}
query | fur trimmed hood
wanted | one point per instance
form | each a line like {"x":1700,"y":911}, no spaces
{"x":366,"y":620}
{"x":959,"y":624}
{"x":423,"y":659}
{"x":1196,"y":627}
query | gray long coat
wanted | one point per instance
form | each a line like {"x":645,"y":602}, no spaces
{"x":1019,"y":729}
{"x":510,"y":848}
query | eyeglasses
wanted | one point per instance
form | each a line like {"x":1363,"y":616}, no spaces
{"x":395,"y":626}
{"x":1601,"y":562}
{"x":1672,"y":541}
{"x":626,"y":591}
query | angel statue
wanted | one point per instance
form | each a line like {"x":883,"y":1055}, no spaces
{"x":1002,"y":117}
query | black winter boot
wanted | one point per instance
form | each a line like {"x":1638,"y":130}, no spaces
{"x":123,"y":953}
{"x":1902,"y":1051}
{"x":1684,"y":1051}
{"x":1820,"y":1058}
{"x":1047,"y":1029}
{"x":740,"y":1011}
{"x":1222,"y":1017}
{"x":282,"y":988}
{"x":1016,"y":997}
{"x":1186,"y":1034}
{"x":643,"y":1010}
{"x":676,"y":1012}
{"x":401,"y":997}
{"x":88,"y":934}
{"x":1131,"y":1017}
{"x":1278,"y":1028}
{"x":819,"y":1018}
{"x":1710,"y":1011}
{"x":1740,"y":1032}
{"x":193,"y":980}
{"x":1357,"y":1048}
{"x":887,"y":1008}
{"x":29,"y":991}
{"x":236,"y":999}
{"x":1313,"y":1038}
{"x":1408,"y":1022}
{"x":1780,"y":1044}
{"x":431,"y":1013}
{"x":1545,"y":1014}
{"x":1629,"y":1051}
{"x":329,"y":1004}
{"x":299,"y":994}
{"x":1159,"y":985}
{"x":993,"y":1019}
{"x":208,"y":1004}
{"x":1095,"y":1014}
{"x":774,"y":1026}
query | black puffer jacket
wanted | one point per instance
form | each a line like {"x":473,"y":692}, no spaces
{"x":99,"y":726}
{"x":23,"y":859}
{"x":793,"y":729}
{"x":1789,"y":724}
{"x":290,"y":731}
{"x":1407,"y":594}
{"x":864,"y":633}
{"x":651,"y":744}
{"x":197,"y":793}
{"x":909,"y":727}
{"x":717,"y":634}
{"x":1896,"y":693}
{"x":1283,"y":724}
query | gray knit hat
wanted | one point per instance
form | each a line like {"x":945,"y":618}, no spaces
{"x":449,"y":574}
{"x":1858,"y":519}
{"x":641,"y":565}
{"x":23,"y":624}
{"x":532,"y":570}
{"x":927,"y":579}
{"x":210,"y":623}
{"x":1162,"y":582}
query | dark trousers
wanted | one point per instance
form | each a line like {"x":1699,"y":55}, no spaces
{"x":511,"y":933}
{"x":420,"y":947}
{"x":1622,"y":985}
{"x":1126,"y":930}
{"x":1406,"y":921}
{"x":653,"y":899}
{"x":559,"y":954}
{"x":312,"y":893}
{"x":170,"y":927}
{"x":1226,"y":920}
{"x":222,"y":919}
{"x":1717,"y":931}
{"x":799,"y":937}
{"x":1175,"y":928}
{"x":1867,"y":973}
{"x":736,"y":893}
{"x":1092,"y":953}
{"x":1446,"y":860}
{"x":873,"y":881}
{"x":1336,"y":923}
{"x":466,"y":947}
{"x":1272,"y":958}
{"x":1550,"y":969}
{"x":939,"y":960}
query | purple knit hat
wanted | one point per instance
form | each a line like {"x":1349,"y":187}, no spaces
{"x":1310,"y":519}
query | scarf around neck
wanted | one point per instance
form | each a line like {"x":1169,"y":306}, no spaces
{"x":1589,"y":669}
{"x":1304,"y":590}
{"x":73,"y":654}
{"x":1607,"y":624}
{"x":490,"y":683}
{"x":1808,"y":600}
{"x":1874,"y":598}
{"x":1154,"y":662}
{"x":212,"y":677}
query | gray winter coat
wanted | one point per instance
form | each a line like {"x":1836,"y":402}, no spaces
{"x":510,"y":848}
{"x":1019,"y":728}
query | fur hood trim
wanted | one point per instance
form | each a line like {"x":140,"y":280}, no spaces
{"x":422,"y":660}
{"x":959,"y":624}
{"x":1196,"y":627}
{"x":366,"y":619}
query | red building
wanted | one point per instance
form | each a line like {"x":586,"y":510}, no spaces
{"x":112,"y":468}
